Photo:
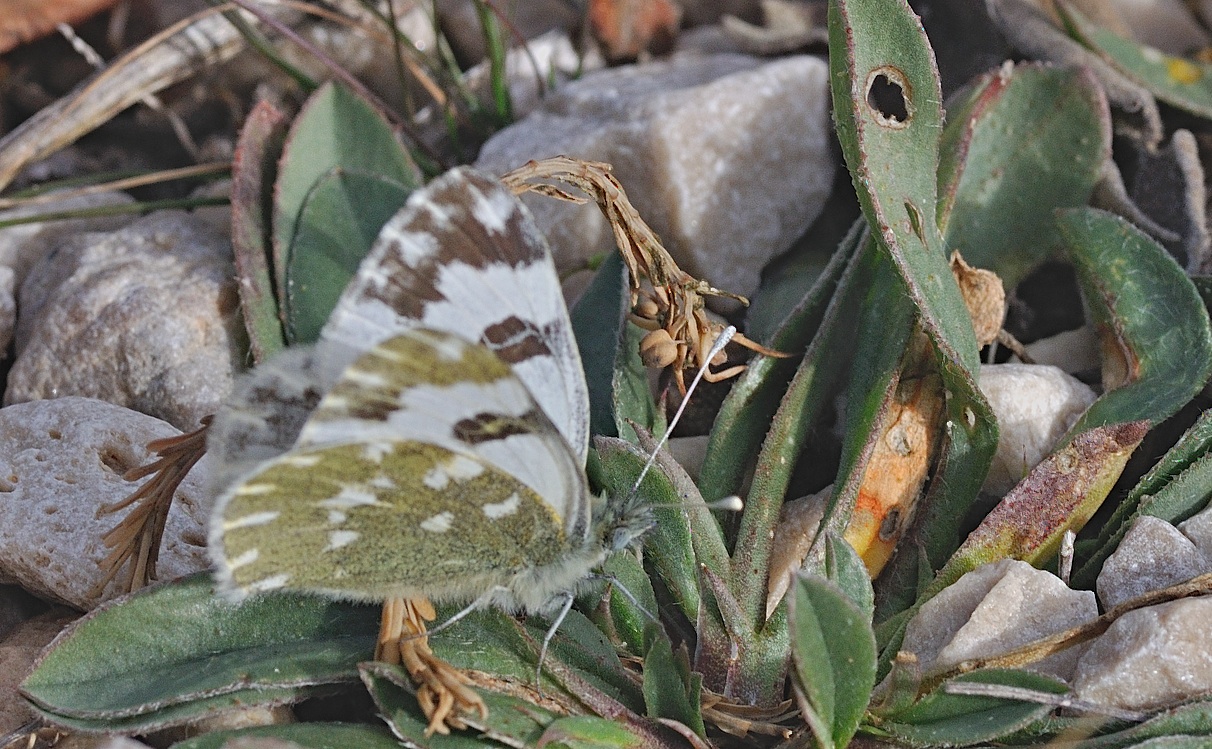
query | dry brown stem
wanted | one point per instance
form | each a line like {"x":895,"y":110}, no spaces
{"x":443,"y":691}
{"x":137,"y":536}
{"x":664,"y":299}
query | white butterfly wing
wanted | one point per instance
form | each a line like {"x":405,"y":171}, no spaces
{"x":433,"y":387}
{"x":464,"y":256}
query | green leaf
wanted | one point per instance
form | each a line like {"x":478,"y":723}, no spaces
{"x":888,"y":110}
{"x":338,"y":223}
{"x":944,"y":719}
{"x":670,"y":690}
{"x":588,"y":732}
{"x":685,"y":531}
{"x":746,"y":414}
{"x":845,"y":569}
{"x":632,"y":400}
{"x":887,"y":105}
{"x":1025,"y":141}
{"x":1157,"y":350}
{"x":307,"y":735}
{"x":833,"y":650}
{"x":1193,"y":718}
{"x":178,"y":643}
{"x":885,"y":325}
{"x":334,"y":129}
{"x":632,"y":600}
{"x":491,"y":641}
{"x":253,"y":171}
{"x":597,"y":322}
{"x":508,"y":717}
{"x":1183,"y":83}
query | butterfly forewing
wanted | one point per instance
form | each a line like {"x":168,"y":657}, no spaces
{"x":372,"y":521}
{"x":464,"y":256}
{"x":429,"y":386}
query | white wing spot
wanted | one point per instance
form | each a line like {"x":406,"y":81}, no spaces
{"x":436,"y":478}
{"x":246,"y":558}
{"x":417,"y":247}
{"x":269,"y":583}
{"x":336,"y":517}
{"x":439,"y":523}
{"x":349,"y":498}
{"x":364,"y":378}
{"x":496,"y":510}
{"x":462,"y":468}
{"x":458,"y":468}
{"x":376,"y":451}
{"x":252,"y":490}
{"x":382,"y":482}
{"x":493,"y":210}
{"x":301,"y":461}
{"x":256,"y":518}
{"x":337,"y":539}
{"x":441,"y":214}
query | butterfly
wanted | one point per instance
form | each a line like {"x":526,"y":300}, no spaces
{"x":444,"y":456}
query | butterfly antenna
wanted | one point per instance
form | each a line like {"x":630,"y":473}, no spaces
{"x":555,"y":625}
{"x":720,"y":342}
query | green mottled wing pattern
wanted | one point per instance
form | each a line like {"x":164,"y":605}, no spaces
{"x":360,"y":522}
{"x":427,"y":470}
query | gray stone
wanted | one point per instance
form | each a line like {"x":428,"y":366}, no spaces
{"x":23,"y":245}
{"x":1150,"y":657}
{"x":1198,"y":528}
{"x":145,"y":317}
{"x":8,"y":308}
{"x":994,"y":609}
{"x":1035,"y":405}
{"x":726,"y":156}
{"x":1152,"y":555}
{"x":62,"y":459}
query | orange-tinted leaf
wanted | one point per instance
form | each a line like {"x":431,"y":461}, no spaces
{"x":625,"y":28}
{"x":23,"y":21}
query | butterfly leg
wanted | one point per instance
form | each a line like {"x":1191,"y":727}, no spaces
{"x":443,"y":692}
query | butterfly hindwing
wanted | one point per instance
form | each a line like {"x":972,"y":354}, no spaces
{"x":319,"y":519}
{"x":464,"y":256}
{"x":427,"y":469}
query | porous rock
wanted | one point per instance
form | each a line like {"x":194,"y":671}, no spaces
{"x":1035,"y":405}
{"x":727,"y":157}
{"x":1150,"y":657}
{"x":145,"y":317}
{"x":62,"y":459}
{"x":1152,"y":555}
{"x":994,"y":609}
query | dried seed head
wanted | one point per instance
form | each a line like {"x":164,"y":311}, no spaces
{"x":658,"y":349}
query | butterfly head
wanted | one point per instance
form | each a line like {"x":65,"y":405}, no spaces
{"x":620,"y":521}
